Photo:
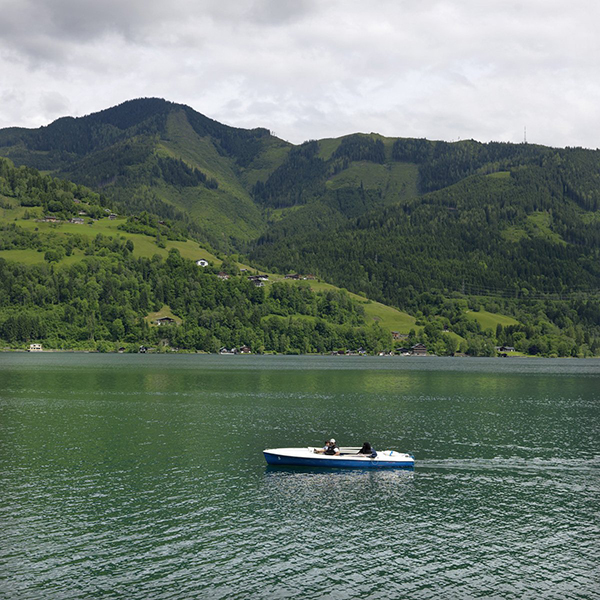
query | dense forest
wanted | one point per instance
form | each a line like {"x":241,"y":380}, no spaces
{"x":101,"y":303}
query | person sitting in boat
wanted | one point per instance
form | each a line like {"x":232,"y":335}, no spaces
{"x":332,"y":449}
{"x":323,"y":449}
{"x":367,"y":449}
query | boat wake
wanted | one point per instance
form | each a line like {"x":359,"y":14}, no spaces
{"x":513,"y":463}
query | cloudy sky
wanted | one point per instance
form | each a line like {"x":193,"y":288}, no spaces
{"x":441,"y":69}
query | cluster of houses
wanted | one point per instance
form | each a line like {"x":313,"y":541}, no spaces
{"x":76,"y":220}
{"x":298,"y":276}
{"x":416,"y":350}
{"x":258,"y":280}
{"x":240,"y":350}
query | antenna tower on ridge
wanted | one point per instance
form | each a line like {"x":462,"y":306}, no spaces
{"x":525,"y":134}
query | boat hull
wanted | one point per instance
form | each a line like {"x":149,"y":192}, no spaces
{"x":306,"y":457}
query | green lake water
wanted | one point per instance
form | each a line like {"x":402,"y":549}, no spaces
{"x":142,"y":476}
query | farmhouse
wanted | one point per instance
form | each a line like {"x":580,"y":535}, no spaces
{"x":399,"y":336}
{"x":258,"y":280}
{"x":165,"y":321}
{"x":419,"y":350}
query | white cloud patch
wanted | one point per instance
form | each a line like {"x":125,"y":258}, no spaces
{"x":309,"y":69}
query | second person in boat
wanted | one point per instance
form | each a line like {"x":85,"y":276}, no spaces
{"x":368,"y":450}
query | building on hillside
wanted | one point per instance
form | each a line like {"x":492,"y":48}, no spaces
{"x":222,"y":275}
{"x":202,"y":262}
{"x":419,"y":350}
{"x":35,"y":348}
{"x":165,"y":321}
{"x":51,"y":219}
{"x":292,"y":276}
{"x":245,"y":350}
{"x":225,"y":350}
{"x":112,"y":216}
{"x":505,"y":348}
{"x":78,"y":220}
{"x":258,"y":280}
{"x":399,"y":336}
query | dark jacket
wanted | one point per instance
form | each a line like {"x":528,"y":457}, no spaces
{"x":368,"y":449}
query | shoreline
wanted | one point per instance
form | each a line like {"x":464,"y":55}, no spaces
{"x":324,"y":355}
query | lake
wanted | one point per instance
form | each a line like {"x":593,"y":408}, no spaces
{"x":142,"y":476}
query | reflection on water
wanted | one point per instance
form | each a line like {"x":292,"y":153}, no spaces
{"x":143,"y":477}
{"x":344,"y":486}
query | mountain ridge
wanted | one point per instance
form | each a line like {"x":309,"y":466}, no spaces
{"x":417,"y":224}
{"x":242,"y":189}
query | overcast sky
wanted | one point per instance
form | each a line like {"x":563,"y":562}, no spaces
{"x":447,"y":69}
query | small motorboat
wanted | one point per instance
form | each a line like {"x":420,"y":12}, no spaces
{"x":347,"y":458}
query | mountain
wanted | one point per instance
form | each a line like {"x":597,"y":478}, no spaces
{"x":529,"y":227}
{"x":150,"y":154}
{"x":434,"y":228}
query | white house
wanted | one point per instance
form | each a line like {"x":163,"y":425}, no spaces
{"x":202,"y":262}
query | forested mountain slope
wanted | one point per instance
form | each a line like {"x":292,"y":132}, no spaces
{"x":75,"y":275}
{"x":413,"y":223}
{"x":515,"y":231}
{"x":154,"y":155}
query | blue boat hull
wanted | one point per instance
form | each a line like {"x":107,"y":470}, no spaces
{"x":337,"y":463}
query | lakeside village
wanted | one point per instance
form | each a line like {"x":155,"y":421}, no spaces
{"x":416,"y":350}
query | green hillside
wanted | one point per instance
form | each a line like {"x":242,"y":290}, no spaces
{"x":488,"y":320}
{"x":159,"y":156}
{"x":74,"y":281}
{"x":431,"y":228}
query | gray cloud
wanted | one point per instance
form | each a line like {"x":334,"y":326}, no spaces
{"x":307,"y":69}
